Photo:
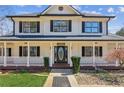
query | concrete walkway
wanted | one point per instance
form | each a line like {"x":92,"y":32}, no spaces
{"x":61,"y":78}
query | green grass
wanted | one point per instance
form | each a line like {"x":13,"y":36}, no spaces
{"x":22,"y":80}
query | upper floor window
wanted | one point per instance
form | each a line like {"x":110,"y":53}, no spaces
{"x":29,"y":27}
{"x":60,"y":25}
{"x":92,"y":27}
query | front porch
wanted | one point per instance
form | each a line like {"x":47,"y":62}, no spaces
{"x":29,"y":57}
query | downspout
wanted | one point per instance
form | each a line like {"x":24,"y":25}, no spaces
{"x":13,"y":26}
{"x":107,"y":26}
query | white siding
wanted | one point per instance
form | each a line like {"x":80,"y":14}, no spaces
{"x":45,"y":25}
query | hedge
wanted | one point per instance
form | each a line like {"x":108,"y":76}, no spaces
{"x":76,"y":64}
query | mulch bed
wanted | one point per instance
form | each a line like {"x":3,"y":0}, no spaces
{"x":93,"y":78}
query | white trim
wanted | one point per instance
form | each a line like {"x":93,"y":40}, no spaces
{"x":70,"y":55}
{"x":51,"y":54}
{"x":28,"y":57}
{"x":74,"y":9}
{"x":47,"y":9}
{"x":94,"y":64}
{"x":5,"y":62}
{"x":67,"y":5}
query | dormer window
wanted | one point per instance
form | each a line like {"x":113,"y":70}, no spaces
{"x":60,"y":8}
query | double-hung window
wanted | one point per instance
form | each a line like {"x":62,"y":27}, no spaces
{"x":92,"y":27}
{"x":8,"y":52}
{"x":60,"y":25}
{"x":87,"y":51}
{"x":30,"y":27}
{"x":34,"y":51}
{"x":23,"y":51}
{"x":98,"y":51}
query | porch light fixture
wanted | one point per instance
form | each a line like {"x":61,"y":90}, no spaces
{"x":25,"y":42}
{"x":60,"y":8}
{"x":96,"y":42}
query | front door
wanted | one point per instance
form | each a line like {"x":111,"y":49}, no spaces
{"x":60,"y":54}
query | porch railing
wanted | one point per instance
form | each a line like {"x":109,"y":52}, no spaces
{"x":38,"y":61}
{"x":22,"y":61}
{"x":1,"y":61}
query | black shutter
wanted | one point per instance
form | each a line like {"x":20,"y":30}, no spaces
{"x":70,"y":25}
{"x":100,"y":27}
{"x":83,"y":27}
{"x":38,"y":51}
{"x":20,"y":27}
{"x":100,"y":50}
{"x":83,"y":51}
{"x":20,"y":51}
{"x":38,"y":27}
{"x":51,"y":25}
{"x":9,"y":52}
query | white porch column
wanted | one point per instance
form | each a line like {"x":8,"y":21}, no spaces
{"x":70,"y":53}
{"x":117,"y":46}
{"x":5,"y":63}
{"x":28,"y":57}
{"x":94,"y":64}
{"x":51,"y":54}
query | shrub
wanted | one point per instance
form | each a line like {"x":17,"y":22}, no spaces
{"x":46,"y":62}
{"x":23,"y":71}
{"x":76,"y":64}
{"x":116,"y":54}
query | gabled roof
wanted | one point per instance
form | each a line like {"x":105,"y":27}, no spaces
{"x":78,"y":14}
{"x":76,"y":11}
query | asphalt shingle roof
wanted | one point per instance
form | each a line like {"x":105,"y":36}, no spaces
{"x":64,"y":38}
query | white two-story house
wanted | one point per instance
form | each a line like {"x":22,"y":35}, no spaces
{"x":59,"y":32}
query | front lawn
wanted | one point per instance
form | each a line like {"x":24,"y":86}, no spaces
{"x":106,"y":78}
{"x":22,"y":79}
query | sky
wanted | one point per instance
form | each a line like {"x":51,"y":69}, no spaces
{"x":115,"y":10}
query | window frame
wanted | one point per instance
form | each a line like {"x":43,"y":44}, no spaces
{"x":34,"y":55}
{"x":91,"y":55}
{"x":92,"y":27}
{"x":97,"y":53}
{"x":29,"y":26}
{"x":85,"y":52}
{"x":60,"y":27}
{"x":25,"y":53}
{"x":7,"y":52}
